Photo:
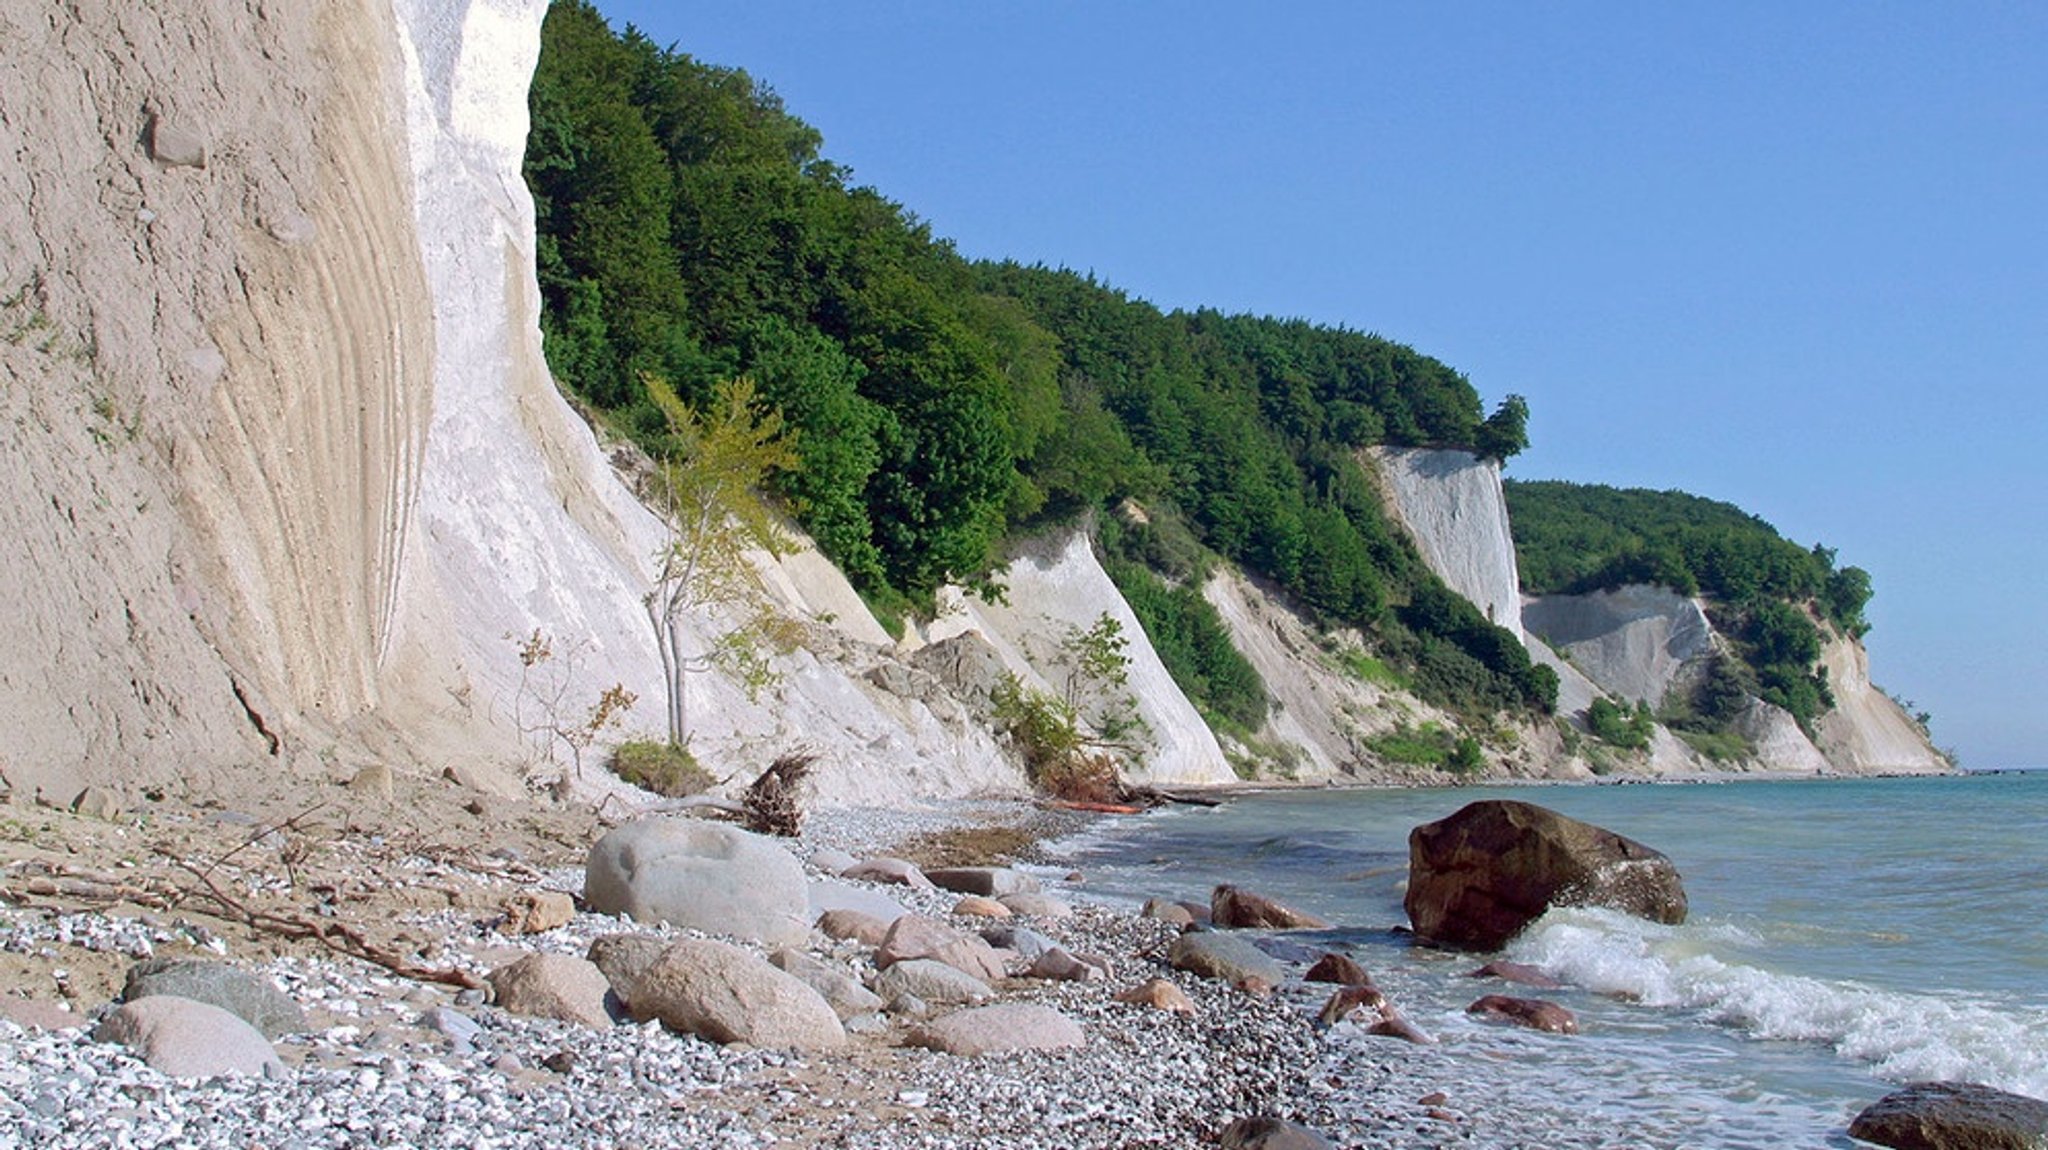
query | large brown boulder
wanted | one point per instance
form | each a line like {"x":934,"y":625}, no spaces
{"x":1476,"y":878}
{"x":1953,"y":1116}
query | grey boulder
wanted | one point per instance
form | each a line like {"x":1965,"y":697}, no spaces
{"x":931,"y":981}
{"x":847,"y":997}
{"x":988,"y":881}
{"x":1225,"y":956}
{"x":250,"y":997}
{"x":708,"y":876}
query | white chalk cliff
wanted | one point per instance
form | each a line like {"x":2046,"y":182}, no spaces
{"x":284,"y":479}
{"x":1453,"y":507}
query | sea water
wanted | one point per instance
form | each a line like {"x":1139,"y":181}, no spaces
{"x":1844,"y":936}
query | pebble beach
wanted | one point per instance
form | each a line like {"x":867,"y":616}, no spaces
{"x":388,"y":1060}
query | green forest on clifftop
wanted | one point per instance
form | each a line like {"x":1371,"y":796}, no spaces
{"x":1765,"y":592}
{"x":691,"y":229}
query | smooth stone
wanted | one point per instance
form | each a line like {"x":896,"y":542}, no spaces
{"x":185,"y":1038}
{"x":857,"y":925}
{"x":1953,"y":1116}
{"x":708,"y":876}
{"x":931,"y":981}
{"x":1341,"y":969}
{"x":1226,"y":956}
{"x":987,"y":881}
{"x":901,"y":872}
{"x":1159,"y":994}
{"x":1028,"y":943}
{"x":1058,"y":965}
{"x":557,"y":986}
{"x":995,"y":1029}
{"x":624,"y":960}
{"x":915,"y":936}
{"x":1265,"y":1132}
{"x":1533,"y":1013}
{"x":845,"y":995}
{"x":1233,"y":907}
{"x":1171,"y":913}
{"x":535,"y":911}
{"x":827,"y":894}
{"x":975,"y":906}
{"x":250,"y":997}
{"x":720,"y":992}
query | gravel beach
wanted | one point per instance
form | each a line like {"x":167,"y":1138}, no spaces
{"x":391,"y":1060}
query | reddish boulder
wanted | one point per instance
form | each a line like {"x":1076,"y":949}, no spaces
{"x":1476,"y":878}
{"x":1520,"y":972}
{"x":1338,"y":968}
{"x":1232,"y":907}
{"x":1533,"y":1013}
{"x":1348,"y":1001}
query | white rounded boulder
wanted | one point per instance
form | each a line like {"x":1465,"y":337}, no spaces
{"x":707,"y":876}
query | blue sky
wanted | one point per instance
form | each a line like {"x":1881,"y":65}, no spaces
{"x":1793,"y":256}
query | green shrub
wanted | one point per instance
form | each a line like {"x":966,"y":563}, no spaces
{"x":1719,"y":747}
{"x":661,"y":767}
{"x":1426,"y":746}
{"x":1619,"y":726}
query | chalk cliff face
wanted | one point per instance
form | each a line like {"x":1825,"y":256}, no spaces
{"x":284,"y":481}
{"x":1638,"y":644}
{"x":1055,"y":587}
{"x":287,"y":480}
{"x":1452,"y":504}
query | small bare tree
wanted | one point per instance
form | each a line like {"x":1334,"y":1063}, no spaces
{"x":707,"y":491}
{"x":541,"y":707}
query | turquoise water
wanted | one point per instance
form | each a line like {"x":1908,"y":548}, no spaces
{"x":1844,"y":935}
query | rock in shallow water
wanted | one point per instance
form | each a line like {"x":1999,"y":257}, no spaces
{"x":1476,"y":878}
{"x":1953,"y":1116}
{"x":1236,"y":908}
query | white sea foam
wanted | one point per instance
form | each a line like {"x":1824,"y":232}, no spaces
{"x":1899,"y":1035}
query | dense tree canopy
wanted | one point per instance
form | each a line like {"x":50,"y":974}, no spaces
{"x":1767,"y":592}
{"x":691,"y":231}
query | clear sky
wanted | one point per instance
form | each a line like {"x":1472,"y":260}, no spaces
{"x":1792,"y":256}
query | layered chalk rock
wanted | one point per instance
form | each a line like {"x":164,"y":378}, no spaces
{"x":1476,"y":878}
{"x":1454,"y":508}
{"x":1054,"y":587}
{"x":709,"y":876}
